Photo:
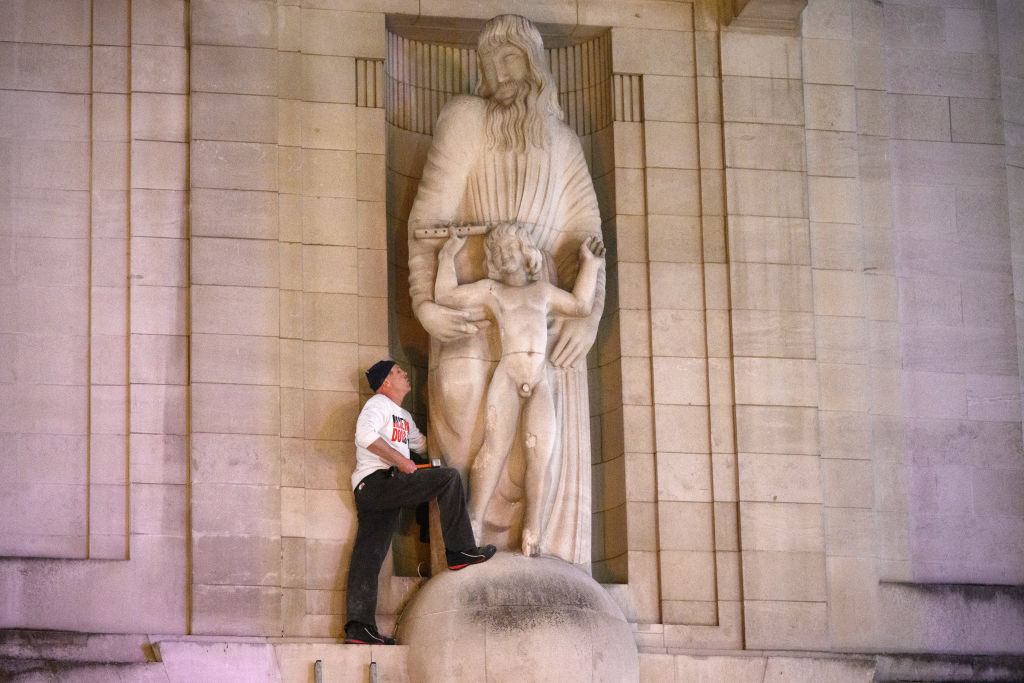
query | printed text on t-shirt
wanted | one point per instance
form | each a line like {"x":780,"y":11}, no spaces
{"x":399,"y":429}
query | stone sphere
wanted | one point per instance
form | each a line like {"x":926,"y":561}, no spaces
{"x":517,"y":618}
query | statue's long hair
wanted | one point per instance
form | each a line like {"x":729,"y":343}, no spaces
{"x":513,"y":233}
{"x":523,"y":121}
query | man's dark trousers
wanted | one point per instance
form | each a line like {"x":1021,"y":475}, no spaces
{"x":380,"y":496}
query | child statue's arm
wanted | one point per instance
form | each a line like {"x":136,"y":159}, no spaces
{"x":580,"y":303}
{"x":447,"y":290}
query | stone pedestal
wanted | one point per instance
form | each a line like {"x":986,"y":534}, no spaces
{"x":517,"y":618}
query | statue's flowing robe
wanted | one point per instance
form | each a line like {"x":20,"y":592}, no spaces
{"x":549,"y":189}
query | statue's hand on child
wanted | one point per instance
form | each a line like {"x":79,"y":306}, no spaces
{"x":592,"y":248}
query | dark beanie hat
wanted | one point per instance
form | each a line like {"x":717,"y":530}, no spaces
{"x":378,"y":373}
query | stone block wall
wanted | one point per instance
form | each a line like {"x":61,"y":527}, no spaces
{"x":959,"y":345}
{"x":47,"y":175}
{"x":289,"y":285}
{"x":806,"y":392}
{"x":95,"y":373}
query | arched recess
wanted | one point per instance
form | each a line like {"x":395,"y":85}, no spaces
{"x":428,"y":61}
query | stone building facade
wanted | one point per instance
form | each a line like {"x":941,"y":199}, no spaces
{"x":805,"y":397}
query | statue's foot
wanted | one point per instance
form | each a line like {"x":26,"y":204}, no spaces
{"x":531,"y":544}
{"x":478,"y":529}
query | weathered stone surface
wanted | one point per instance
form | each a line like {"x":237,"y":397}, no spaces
{"x":516,"y":618}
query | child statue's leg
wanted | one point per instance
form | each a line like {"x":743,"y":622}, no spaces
{"x":538,"y":438}
{"x":501,"y":417}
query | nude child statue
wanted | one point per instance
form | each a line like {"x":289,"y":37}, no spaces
{"x":521,"y":301}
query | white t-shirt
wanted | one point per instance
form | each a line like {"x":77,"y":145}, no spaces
{"x":382,"y":418}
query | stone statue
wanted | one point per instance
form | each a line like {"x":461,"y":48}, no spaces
{"x":521,"y":303}
{"x":506,"y":156}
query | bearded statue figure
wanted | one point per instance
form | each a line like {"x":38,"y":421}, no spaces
{"x":506,"y":156}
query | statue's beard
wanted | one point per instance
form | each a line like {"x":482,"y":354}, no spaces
{"x":513,"y":118}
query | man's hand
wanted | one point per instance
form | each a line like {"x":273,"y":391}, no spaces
{"x":383,"y":450}
{"x":575,"y":340}
{"x":448,"y":324}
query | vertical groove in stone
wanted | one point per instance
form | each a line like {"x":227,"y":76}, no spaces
{"x":378,"y":83}
{"x":628,"y":98}
{"x":369,"y":83}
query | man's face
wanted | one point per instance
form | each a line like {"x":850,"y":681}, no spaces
{"x":398,"y":379}
{"x":504,"y":68}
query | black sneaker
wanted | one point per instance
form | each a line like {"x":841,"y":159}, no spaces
{"x":463,"y":558}
{"x":358,"y":633}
